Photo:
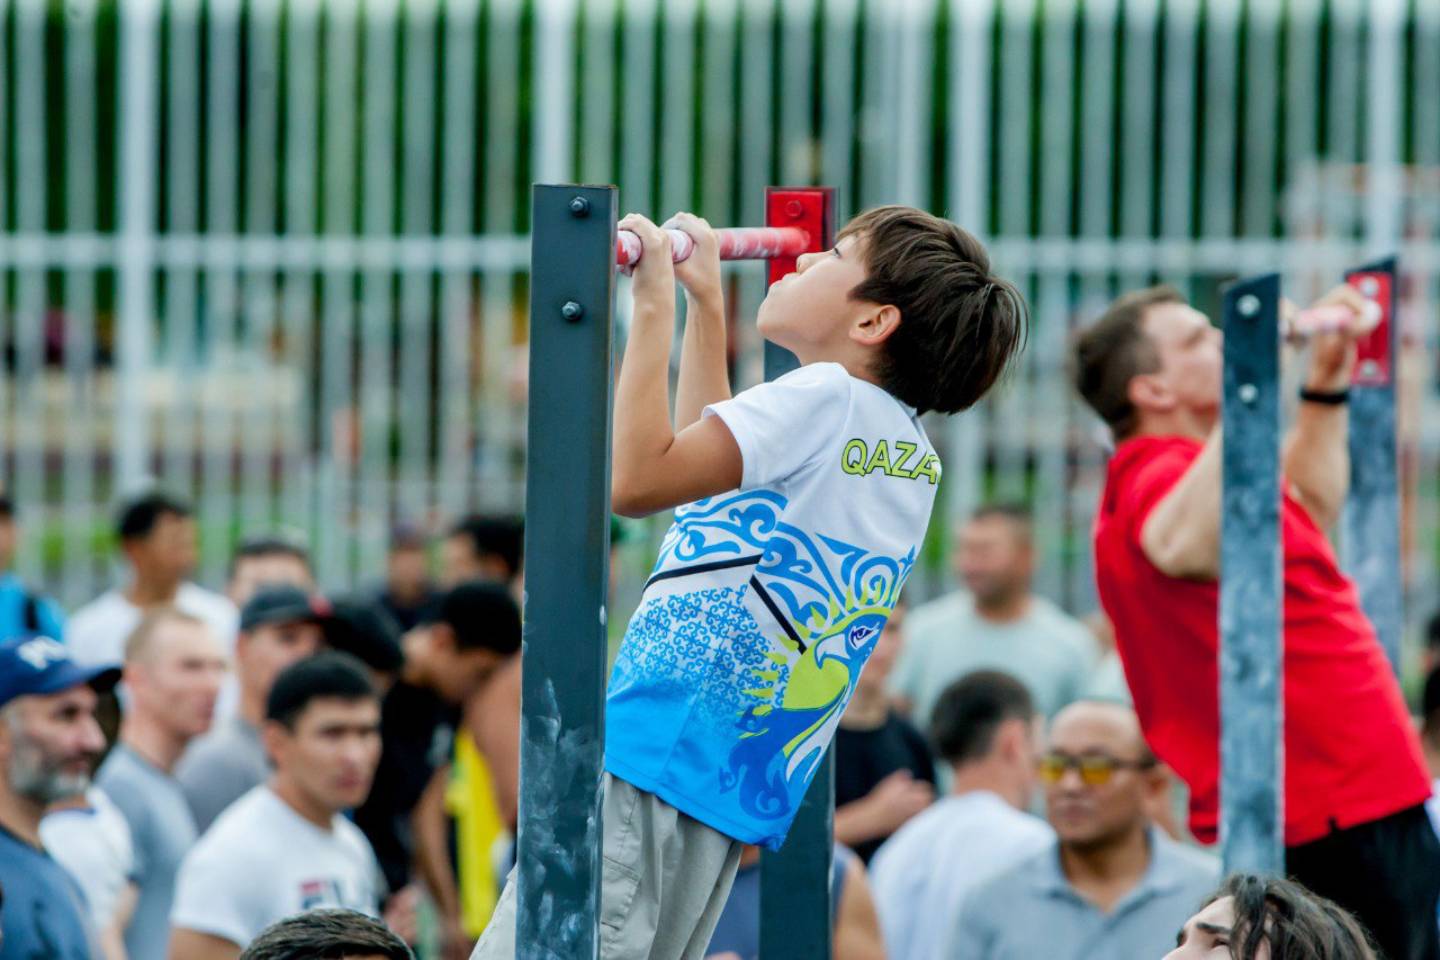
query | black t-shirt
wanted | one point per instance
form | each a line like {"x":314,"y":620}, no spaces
{"x":865,"y":757}
{"x":417,"y":730}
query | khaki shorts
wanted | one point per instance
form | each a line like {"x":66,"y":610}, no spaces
{"x":664,"y":881}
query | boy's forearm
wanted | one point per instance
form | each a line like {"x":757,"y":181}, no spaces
{"x":704,"y":370}
{"x":642,"y":394}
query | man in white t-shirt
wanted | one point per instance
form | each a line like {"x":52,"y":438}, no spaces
{"x":157,"y":538}
{"x":995,"y":623}
{"x":284,"y":847}
{"x":90,"y":838}
{"x":985,"y":728}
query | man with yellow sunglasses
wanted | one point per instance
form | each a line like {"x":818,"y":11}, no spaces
{"x":1112,"y":884}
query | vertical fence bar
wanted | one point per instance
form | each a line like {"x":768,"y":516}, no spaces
{"x":221,"y":304}
{"x":568,"y":521}
{"x":1370,"y":523}
{"x":302,"y":148}
{"x":837,"y":105}
{"x":1013,"y":199}
{"x":1261,"y":79}
{"x":1097,"y":198}
{"x":797,"y":146}
{"x":7,"y":170}
{"x":1251,"y":704}
{"x":138,"y":60}
{"x":337,"y":309}
{"x":1050,"y":394}
{"x":795,"y":907}
{"x":457,"y":219}
{"x":415,"y":407}
{"x":677,"y":111}
{"x":1137,"y":125}
{"x":32,"y":212}
{"x":182,"y":217}
{"x":554,"y":77}
{"x":914,"y":81}
{"x":502,"y":129}
{"x":1344,"y":100}
{"x":81,"y":171}
{"x":268,"y":390}
{"x":1177,"y":173}
{"x":968,"y":200}
{"x":717,"y":114}
{"x":597,"y":93}
{"x":374,"y":397}
{"x":1218,"y":136}
{"x":637,"y":108}
{"x":1384,"y":125}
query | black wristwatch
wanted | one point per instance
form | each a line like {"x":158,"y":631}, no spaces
{"x":1329,"y":398}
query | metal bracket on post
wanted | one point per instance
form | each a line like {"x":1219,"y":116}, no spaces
{"x":567,"y":521}
{"x":795,"y":913}
{"x":1251,"y":584}
{"x":1370,"y":524}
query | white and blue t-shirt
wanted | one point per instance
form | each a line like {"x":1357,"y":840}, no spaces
{"x":766,"y":602}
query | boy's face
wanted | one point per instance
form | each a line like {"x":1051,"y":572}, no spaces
{"x":810,"y":312}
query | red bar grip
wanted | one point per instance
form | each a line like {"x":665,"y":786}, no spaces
{"x":736,"y":243}
{"x":1374,"y":365}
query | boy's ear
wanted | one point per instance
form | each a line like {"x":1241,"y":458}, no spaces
{"x":876,"y":325}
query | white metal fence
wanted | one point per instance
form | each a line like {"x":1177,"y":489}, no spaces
{"x":272,"y":252}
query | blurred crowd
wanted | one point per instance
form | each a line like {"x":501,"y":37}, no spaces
{"x":183,"y":769}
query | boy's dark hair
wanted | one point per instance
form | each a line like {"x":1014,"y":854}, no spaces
{"x":1291,"y":921}
{"x":139,"y":517}
{"x":268,"y":545}
{"x":330,"y":675}
{"x":497,"y":536}
{"x":1114,"y":350}
{"x":960,"y":326}
{"x":483,"y":615}
{"x":327,"y":935}
{"x":970,"y":711}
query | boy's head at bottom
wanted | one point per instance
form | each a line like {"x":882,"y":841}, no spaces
{"x":904,"y":299}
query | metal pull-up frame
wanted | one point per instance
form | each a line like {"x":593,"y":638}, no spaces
{"x":575,"y":249}
{"x":1252,"y":762}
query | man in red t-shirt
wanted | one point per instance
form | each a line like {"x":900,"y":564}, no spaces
{"x":1355,"y":783}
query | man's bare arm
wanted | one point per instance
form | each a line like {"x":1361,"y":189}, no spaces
{"x":194,"y":945}
{"x":1181,"y":536}
{"x":1317,"y":448}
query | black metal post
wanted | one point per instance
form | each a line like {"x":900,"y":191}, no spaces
{"x":795,"y":913}
{"x":1251,"y":622}
{"x":567,"y":531}
{"x":1370,"y":524}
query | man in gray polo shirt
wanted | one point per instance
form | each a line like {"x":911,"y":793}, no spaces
{"x":173,"y":669}
{"x":1112,"y":885}
{"x":280,"y":624}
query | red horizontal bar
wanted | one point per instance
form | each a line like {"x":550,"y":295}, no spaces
{"x":736,"y":243}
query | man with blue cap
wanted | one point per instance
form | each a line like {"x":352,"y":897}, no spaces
{"x":49,"y":739}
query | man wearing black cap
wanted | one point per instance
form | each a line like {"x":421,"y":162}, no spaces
{"x":48,"y":740}
{"x":468,"y":634}
{"x":279,"y":625}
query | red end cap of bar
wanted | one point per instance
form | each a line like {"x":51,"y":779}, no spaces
{"x":1374,"y":360}
{"x":812,"y":209}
